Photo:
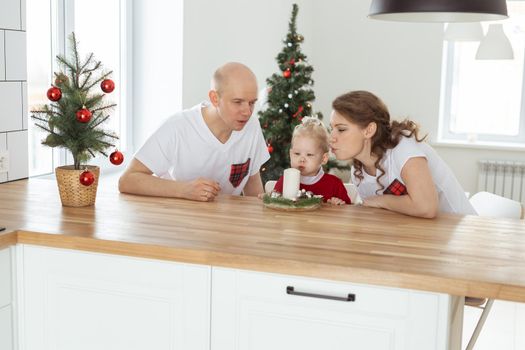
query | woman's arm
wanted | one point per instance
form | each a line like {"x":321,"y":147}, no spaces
{"x":422,"y":198}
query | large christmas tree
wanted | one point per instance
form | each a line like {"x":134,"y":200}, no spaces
{"x":290,"y":98}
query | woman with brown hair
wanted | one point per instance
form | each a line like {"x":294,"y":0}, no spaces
{"x":392,"y":168}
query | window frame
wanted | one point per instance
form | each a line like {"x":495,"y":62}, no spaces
{"x":62,"y":24}
{"x":444,"y":132}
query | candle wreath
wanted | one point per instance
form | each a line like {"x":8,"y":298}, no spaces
{"x":305,"y":200}
{"x":292,"y":197}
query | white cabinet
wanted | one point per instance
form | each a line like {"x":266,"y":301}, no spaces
{"x":6,"y":328}
{"x":255,"y":311}
{"x":6,"y":300}
{"x":81,"y":300}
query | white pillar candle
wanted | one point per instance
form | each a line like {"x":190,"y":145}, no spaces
{"x":291,"y":183}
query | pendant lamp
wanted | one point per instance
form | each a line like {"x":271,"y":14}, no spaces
{"x":496,"y":45}
{"x":438,"y":10}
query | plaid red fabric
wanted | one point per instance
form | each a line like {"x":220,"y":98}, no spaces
{"x":396,"y":188}
{"x":238,"y":172}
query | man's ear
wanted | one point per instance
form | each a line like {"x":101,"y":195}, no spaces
{"x":214,"y":97}
{"x":370,"y":130}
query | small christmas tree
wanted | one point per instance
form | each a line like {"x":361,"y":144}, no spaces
{"x":74,"y":118}
{"x":290,"y":98}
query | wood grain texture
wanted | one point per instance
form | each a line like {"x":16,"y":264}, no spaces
{"x":459,"y":255}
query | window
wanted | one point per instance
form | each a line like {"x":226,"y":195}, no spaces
{"x":100,"y":27}
{"x":39,"y":67}
{"x":484,"y":100}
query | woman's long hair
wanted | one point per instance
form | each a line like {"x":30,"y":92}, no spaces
{"x":362,"y":108}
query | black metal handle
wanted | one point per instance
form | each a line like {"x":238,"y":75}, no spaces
{"x":290,"y":290}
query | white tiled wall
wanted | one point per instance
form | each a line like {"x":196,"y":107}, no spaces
{"x":18,"y":164}
{"x":2,"y":56}
{"x":13,"y":88}
{"x":15,"y":55}
{"x":11,"y":102}
{"x":3,"y":147}
{"x":10,"y":14}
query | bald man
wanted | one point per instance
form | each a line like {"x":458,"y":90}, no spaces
{"x":214,"y":147}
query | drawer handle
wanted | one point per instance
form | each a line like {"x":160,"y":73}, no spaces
{"x":290,"y":290}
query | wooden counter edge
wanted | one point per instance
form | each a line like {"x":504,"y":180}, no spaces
{"x":8,"y":239}
{"x":271,"y":265}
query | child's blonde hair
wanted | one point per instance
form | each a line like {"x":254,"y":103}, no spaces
{"x":314,"y":128}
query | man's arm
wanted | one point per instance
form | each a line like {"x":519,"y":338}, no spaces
{"x":254,"y":186}
{"x":139,"y":179}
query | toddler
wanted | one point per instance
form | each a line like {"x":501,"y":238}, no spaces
{"x":308,"y":154}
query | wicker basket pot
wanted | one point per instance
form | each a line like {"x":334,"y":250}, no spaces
{"x":72,"y":192}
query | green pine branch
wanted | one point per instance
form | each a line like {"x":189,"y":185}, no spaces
{"x":99,"y":80}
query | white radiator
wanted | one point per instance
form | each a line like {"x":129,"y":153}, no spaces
{"x":503,"y":178}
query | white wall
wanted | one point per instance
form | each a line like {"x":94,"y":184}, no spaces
{"x":13,"y":91}
{"x":400,"y":62}
{"x":248,"y":31}
{"x":157,"y":64}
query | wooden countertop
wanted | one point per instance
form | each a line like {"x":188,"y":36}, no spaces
{"x":468,"y":255}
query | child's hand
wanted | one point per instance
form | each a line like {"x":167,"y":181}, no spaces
{"x":335,"y":201}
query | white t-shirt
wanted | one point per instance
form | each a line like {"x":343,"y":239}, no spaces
{"x":184,"y":149}
{"x":452,"y":198}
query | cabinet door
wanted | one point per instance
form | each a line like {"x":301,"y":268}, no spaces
{"x":6,"y":318}
{"x":80,"y":300}
{"x":5,"y":277}
{"x":259,"y":311}
{"x":6,"y":328}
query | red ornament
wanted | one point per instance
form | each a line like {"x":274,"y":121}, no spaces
{"x":299,"y":110}
{"x":116,"y":157}
{"x":83,"y":115}
{"x":87,"y":178}
{"x":107,"y":85}
{"x":270,"y":149}
{"x":54,"y":94}
{"x":287,"y":73}
{"x":292,"y":62}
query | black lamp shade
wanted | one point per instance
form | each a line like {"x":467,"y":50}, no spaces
{"x":438,"y":10}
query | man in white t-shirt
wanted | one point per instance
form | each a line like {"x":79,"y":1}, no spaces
{"x":214,"y":147}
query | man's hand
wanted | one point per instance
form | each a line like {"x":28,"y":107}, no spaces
{"x":201,"y":189}
{"x":139,"y":179}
